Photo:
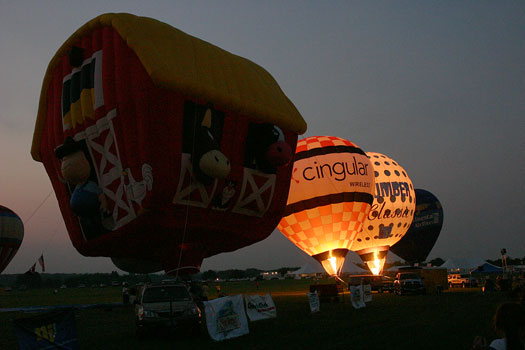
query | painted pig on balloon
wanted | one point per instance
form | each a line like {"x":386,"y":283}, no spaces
{"x":167,"y":122}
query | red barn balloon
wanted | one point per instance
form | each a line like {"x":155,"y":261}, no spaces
{"x":160,"y":146}
{"x":11,"y":235}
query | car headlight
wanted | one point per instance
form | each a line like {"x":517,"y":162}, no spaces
{"x":149,"y":313}
{"x":193,"y":310}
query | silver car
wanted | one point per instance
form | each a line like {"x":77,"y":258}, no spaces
{"x":166,"y":305}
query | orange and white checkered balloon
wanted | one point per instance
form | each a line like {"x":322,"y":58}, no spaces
{"x":331,"y":193}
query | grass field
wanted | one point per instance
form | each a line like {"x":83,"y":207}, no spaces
{"x":446,"y":321}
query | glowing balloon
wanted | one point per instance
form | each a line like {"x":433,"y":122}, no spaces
{"x":330,"y":196}
{"x":420,"y":238}
{"x":11,"y":235}
{"x":147,"y":135}
{"x":391,"y":213}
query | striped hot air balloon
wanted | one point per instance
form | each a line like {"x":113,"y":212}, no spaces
{"x":11,"y":234}
{"x":331,"y":193}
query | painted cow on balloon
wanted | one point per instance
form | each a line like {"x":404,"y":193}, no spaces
{"x":187,"y":148}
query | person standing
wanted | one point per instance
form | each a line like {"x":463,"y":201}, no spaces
{"x":509,"y":322}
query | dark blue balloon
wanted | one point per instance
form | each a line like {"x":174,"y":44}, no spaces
{"x":420,"y":238}
{"x":84,"y":200}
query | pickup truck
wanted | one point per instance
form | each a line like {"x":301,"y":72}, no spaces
{"x":408,"y":283}
{"x":461,"y":280}
{"x":379,"y":283}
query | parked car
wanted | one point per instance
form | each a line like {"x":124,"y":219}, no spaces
{"x":408,"y":283}
{"x":379,"y":283}
{"x":166,"y":305}
{"x":461,"y":280}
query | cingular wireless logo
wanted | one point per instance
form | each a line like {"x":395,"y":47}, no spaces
{"x":336,"y":170}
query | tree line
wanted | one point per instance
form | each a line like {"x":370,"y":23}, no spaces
{"x":47,"y":280}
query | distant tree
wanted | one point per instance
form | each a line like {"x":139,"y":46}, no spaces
{"x":251,"y":273}
{"x":29,"y":280}
{"x":209,"y":275}
{"x":284,"y":270}
{"x":496,"y":262}
{"x":437,"y":262}
{"x":237,"y":274}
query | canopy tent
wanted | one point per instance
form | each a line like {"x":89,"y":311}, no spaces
{"x":309,"y":269}
{"x":463,"y":263}
{"x":487,"y":268}
{"x":313,"y":267}
{"x":352,"y":269}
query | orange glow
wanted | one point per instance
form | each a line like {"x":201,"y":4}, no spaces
{"x":333,"y":264}
{"x":376,"y":265}
{"x":330,"y":195}
{"x":374,"y":258}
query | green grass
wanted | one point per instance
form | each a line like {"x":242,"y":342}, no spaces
{"x":449,"y":321}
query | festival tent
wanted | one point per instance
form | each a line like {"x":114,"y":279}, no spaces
{"x":313,"y":268}
{"x":463,"y":263}
{"x":309,"y":269}
{"x":352,"y":269}
{"x":487,"y":268}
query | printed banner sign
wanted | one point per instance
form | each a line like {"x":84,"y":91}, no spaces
{"x":313,"y":298}
{"x":50,"y":330}
{"x":260,"y":307}
{"x":225,"y":317}
{"x":367,"y":293}
{"x":356,"y":296}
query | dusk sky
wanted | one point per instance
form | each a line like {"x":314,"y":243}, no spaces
{"x":438,"y":86}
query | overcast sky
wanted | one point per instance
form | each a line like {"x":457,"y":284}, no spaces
{"x":438,"y":86}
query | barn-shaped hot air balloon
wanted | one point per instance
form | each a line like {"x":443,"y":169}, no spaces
{"x":11,"y":235}
{"x":160,"y":146}
{"x":420,"y":238}
{"x":132,"y":265}
{"x":391,"y":213}
{"x":330,"y":196}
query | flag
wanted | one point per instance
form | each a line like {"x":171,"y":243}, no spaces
{"x":226,"y":318}
{"x":41,"y":262}
{"x":52,"y":330}
{"x":260,"y":307}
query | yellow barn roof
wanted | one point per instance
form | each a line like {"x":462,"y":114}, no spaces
{"x":185,"y":64}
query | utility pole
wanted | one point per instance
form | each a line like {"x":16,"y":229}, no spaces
{"x":504,"y":259}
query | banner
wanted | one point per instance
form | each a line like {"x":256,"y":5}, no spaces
{"x":356,"y":296}
{"x":367,"y":293}
{"x":313,"y":298}
{"x":225,"y":317}
{"x":51,"y":330}
{"x":260,"y":307}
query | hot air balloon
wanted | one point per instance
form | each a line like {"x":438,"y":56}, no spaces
{"x":160,"y":146}
{"x":391,"y":213}
{"x":11,"y":235}
{"x":330,"y":196}
{"x":132,"y":265}
{"x":421,"y":236}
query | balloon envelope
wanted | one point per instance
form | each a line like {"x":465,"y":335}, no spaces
{"x":11,"y":235}
{"x":330,"y":196}
{"x":415,"y":246}
{"x":391,"y":213}
{"x":131,"y":265}
{"x":164,"y":120}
